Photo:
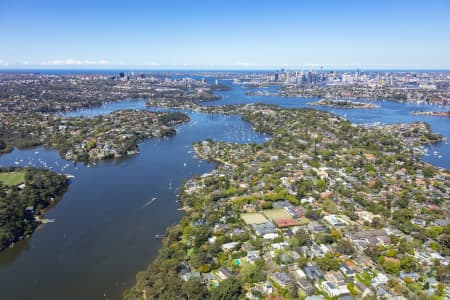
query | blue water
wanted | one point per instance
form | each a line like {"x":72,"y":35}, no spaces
{"x":389,"y":112}
{"x":106,"y":222}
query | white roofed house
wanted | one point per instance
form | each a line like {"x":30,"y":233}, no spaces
{"x":229,"y":246}
{"x":270,"y":236}
{"x":334,"y":291}
{"x":335,"y":221}
{"x":190,"y":275}
{"x":224,"y":273}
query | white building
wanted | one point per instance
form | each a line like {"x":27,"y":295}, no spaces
{"x":332,"y":290}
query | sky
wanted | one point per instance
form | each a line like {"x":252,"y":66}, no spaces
{"x":219,"y":34}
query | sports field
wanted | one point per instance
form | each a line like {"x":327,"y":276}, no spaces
{"x":253,"y":218}
{"x":276,"y":214}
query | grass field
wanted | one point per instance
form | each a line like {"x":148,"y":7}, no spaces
{"x":12,"y":178}
{"x":253,"y":218}
{"x":276,"y":214}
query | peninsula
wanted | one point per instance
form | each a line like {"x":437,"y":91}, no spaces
{"x":87,"y":139}
{"x":25,"y":194}
{"x":432,"y":113}
{"x":342,"y":104}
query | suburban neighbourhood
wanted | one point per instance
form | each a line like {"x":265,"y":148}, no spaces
{"x":323,"y":210}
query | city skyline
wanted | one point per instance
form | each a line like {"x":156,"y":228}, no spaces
{"x":225,"y":35}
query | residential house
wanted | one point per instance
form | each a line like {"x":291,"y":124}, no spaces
{"x":270,"y":236}
{"x":296,"y":272}
{"x":190,"y":275}
{"x":336,"y":278}
{"x":306,"y":286}
{"x":313,"y":272}
{"x":227,"y":247}
{"x":264,"y":228}
{"x":335,"y":221}
{"x":381,"y":278}
{"x":347,"y":271}
{"x":364,"y":239}
{"x":314,"y":297}
{"x":418,"y":222}
{"x":319,"y":250}
{"x":281,"y":278}
{"x":412,"y":275}
{"x":252,"y":256}
{"x":334,"y":291}
{"x":315,"y":227}
{"x":268,"y":289}
{"x":208,"y":278}
{"x":224,"y":273}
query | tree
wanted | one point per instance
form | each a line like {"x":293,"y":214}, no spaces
{"x":408,"y":263}
{"x":251,"y":274}
{"x":428,"y":172}
{"x":229,"y":289}
{"x":324,"y":238}
{"x":194,"y":289}
{"x":312,"y":214}
{"x":329,"y":262}
{"x":373,"y":252}
{"x":329,"y":206}
{"x":301,"y":238}
{"x":344,"y":246}
{"x":335,"y":234}
{"x":391,"y":265}
{"x":443,"y":273}
{"x":377,"y":223}
{"x":433,"y":231}
{"x":405,"y":247}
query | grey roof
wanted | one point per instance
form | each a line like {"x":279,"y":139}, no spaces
{"x":346,"y":297}
{"x":314,"y":297}
{"x":263,"y":228}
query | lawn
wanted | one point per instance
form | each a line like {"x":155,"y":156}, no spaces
{"x":364,"y":277}
{"x":12,"y":178}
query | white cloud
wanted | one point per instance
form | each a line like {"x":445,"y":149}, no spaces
{"x":244,"y":64}
{"x":152,"y":64}
{"x":77,"y":62}
{"x":3,"y":63}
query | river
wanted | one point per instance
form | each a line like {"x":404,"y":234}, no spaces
{"x":106,"y":223}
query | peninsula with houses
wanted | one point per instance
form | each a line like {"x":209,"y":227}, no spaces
{"x":432,"y":113}
{"x":325,"y":209}
{"x":84,"y":139}
{"x":343,"y":104}
{"x":25,"y":194}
